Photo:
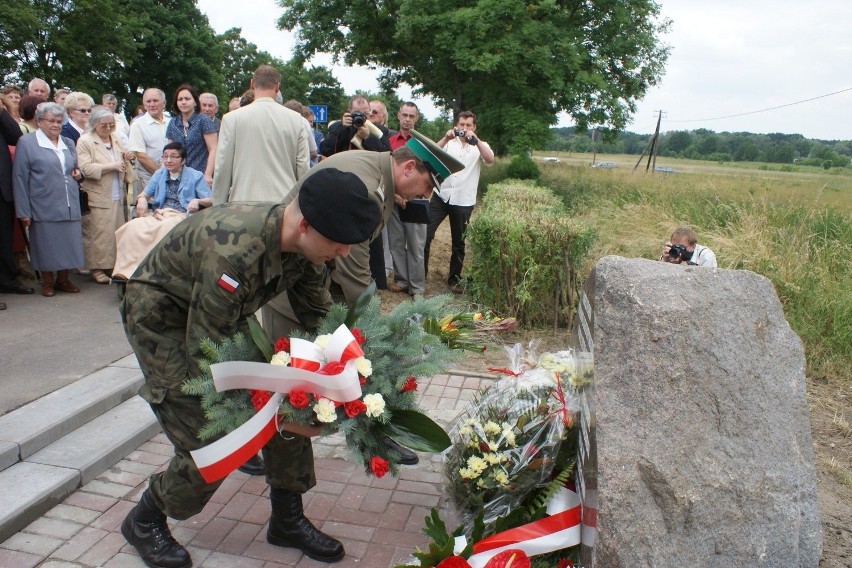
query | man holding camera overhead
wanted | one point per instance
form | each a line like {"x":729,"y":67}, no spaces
{"x":354,"y":131}
{"x":683,"y":248}
{"x":457,"y":197}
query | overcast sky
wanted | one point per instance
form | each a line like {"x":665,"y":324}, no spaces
{"x":728,"y":57}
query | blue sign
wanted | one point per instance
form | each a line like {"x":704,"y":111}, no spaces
{"x":320,"y":112}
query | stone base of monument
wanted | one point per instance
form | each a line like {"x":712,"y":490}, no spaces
{"x":699,"y":422}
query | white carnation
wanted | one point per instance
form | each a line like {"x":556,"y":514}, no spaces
{"x":280,"y":358}
{"x":375,"y":405}
{"x":365,"y":368}
{"x":324,"y":409}
{"x":322,"y":341}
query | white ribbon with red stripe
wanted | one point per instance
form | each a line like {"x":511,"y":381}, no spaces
{"x":560,"y":529}
{"x":215,"y":461}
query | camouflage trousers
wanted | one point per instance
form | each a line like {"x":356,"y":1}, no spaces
{"x":180,"y":491}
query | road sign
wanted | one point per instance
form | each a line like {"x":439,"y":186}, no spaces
{"x":320,"y":112}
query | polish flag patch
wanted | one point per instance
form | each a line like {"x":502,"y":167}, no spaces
{"x":228,"y":283}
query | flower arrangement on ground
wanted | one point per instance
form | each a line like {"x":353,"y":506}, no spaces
{"x":511,"y":459}
{"x":390,"y":354}
{"x":469,"y":330}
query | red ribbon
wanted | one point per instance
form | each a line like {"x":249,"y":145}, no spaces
{"x":504,"y":371}
{"x":529,"y":531}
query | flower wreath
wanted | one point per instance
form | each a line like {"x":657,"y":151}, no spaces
{"x":388,"y":352}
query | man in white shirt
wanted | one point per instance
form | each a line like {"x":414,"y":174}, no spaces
{"x":148,"y":136}
{"x":458,"y":192}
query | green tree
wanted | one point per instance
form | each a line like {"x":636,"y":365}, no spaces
{"x":81,"y":44}
{"x":516,"y":64}
{"x":240,"y":59}
{"x":174,"y":44}
{"x":677,"y":141}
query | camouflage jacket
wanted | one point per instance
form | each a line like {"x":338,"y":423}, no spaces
{"x":212,"y":272}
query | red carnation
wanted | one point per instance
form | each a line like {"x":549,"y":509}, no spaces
{"x":378,"y":466}
{"x":298,"y":399}
{"x":354,"y":408}
{"x":359,"y":337}
{"x":564,"y":563}
{"x":332,"y":368}
{"x":283,"y":344}
{"x":409,"y":385}
{"x":362,"y":380}
{"x":259,"y":398}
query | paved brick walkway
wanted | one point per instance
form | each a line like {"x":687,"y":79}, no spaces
{"x":379,"y":521}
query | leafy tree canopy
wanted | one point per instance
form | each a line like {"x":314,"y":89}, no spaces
{"x":516,"y":64}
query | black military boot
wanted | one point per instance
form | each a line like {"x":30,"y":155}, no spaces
{"x":406,"y":456}
{"x":289,"y":527}
{"x":254,"y":466}
{"x":146,"y":529}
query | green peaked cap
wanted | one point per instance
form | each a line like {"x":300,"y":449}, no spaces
{"x":440,"y":164}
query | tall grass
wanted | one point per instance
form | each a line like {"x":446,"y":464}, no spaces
{"x":792,"y":232}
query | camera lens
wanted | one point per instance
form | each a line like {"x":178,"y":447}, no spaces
{"x":358,"y":118}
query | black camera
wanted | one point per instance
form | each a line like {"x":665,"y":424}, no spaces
{"x":458,"y":132}
{"x":359,"y":119}
{"x":678,"y":253}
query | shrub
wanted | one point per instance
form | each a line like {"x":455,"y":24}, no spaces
{"x":527,"y":254}
{"x":523,"y":167}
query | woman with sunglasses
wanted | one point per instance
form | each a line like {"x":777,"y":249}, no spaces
{"x":78,"y":106}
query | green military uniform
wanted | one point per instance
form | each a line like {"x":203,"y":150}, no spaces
{"x":206,"y":277}
{"x":351,"y":273}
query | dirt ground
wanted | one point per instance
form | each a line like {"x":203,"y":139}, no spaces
{"x":830,"y":407}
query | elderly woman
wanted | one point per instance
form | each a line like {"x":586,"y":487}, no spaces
{"x":174,"y":191}
{"x":79,"y":107}
{"x":47,"y":199}
{"x":195,"y":131}
{"x":105,"y":164}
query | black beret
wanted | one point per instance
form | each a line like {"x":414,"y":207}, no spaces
{"x":338,"y":206}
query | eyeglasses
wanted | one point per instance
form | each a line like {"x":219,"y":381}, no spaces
{"x":85,"y":110}
{"x":171,"y":157}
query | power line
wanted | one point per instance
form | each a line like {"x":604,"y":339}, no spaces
{"x":765,"y":109}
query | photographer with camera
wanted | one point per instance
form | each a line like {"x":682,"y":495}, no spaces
{"x":458,"y":192}
{"x":354,"y":131}
{"x":683,"y":248}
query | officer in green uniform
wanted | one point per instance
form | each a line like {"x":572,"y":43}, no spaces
{"x":412,"y":171}
{"x":205,"y":278}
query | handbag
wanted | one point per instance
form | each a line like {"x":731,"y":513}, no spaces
{"x":84,"y":202}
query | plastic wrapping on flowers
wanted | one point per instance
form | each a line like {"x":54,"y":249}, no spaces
{"x":508,"y":443}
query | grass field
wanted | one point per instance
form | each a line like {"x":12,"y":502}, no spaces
{"x":795,"y":228}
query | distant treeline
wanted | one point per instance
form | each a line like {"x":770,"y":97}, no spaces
{"x":703,"y":144}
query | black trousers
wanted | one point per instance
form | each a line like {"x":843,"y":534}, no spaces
{"x":8,"y":269}
{"x":459,"y":217}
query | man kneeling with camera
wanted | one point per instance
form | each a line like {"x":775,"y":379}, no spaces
{"x":683,"y":248}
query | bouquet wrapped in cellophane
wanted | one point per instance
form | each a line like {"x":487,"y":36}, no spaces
{"x":510,"y":442}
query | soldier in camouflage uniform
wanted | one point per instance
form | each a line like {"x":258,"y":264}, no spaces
{"x":205,"y":278}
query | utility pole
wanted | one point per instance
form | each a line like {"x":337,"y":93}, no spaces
{"x":651,"y":147}
{"x":653,"y":154}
